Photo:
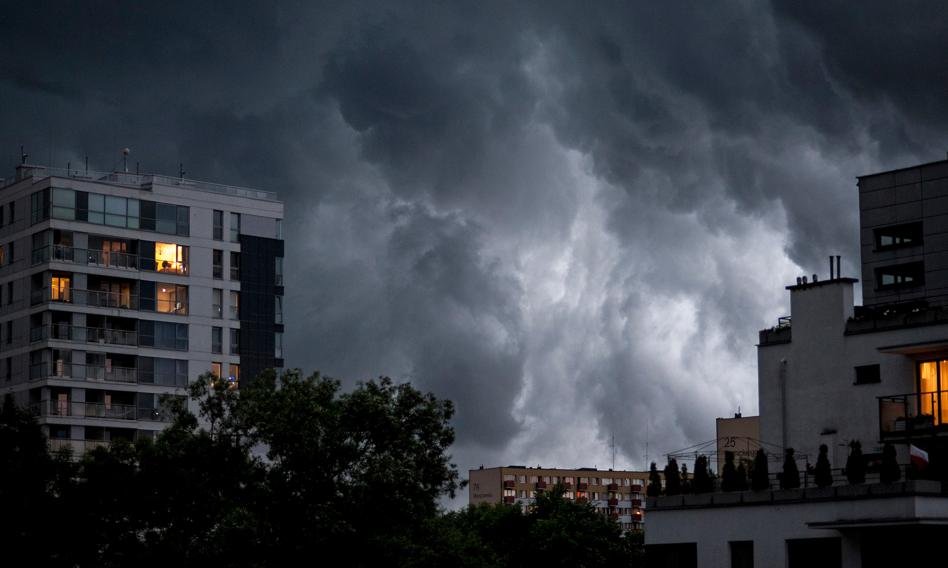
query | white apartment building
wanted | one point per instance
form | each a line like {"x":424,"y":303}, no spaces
{"x":834,"y":372}
{"x":118,"y":288}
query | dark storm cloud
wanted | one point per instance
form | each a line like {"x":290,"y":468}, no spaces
{"x":571,"y":219}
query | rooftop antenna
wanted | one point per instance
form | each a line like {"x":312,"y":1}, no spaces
{"x":125,"y":152}
{"x":181,"y":171}
{"x":87,"y":165}
{"x":613,"y":450}
{"x":23,"y":155}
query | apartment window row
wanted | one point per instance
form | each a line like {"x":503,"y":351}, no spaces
{"x":899,"y":276}
{"x":158,"y":256}
{"x":111,"y":210}
{"x":11,"y":207}
{"x":217,"y":340}
{"x":163,"y":335}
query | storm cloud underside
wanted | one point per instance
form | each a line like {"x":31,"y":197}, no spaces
{"x":571,"y":220}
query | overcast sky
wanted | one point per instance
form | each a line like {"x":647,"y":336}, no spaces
{"x":571,"y":218}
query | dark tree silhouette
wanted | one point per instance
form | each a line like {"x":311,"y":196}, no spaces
{"x":760,"y":478}
{"x":741,"y":476}
{"x":672,"y":478}
{"x":685,"y":480}
{"x":889,"y":471}
{"x":855,"y":464}
{"x":654,"y":488}
{"x":729,"y":474}
{"x":790,"y":477}
{"x":703,"y":483}
{"x":822,"y":473}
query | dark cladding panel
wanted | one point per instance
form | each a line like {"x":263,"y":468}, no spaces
{"x":257,"y":290}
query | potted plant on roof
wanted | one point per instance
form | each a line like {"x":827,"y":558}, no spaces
{"x":889,"y":471}
{"x":855,"y":464}
{"x":760,"y":478}
{"x":790,"y":479}
{"x":654,"y":488}
{"x":672,"y":478}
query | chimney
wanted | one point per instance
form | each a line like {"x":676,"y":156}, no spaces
{"x":839,"y":270}
{"x":832,"y":277}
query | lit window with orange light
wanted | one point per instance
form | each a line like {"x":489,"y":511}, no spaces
{"x":171,"y":258}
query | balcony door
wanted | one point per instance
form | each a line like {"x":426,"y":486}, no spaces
{"x":933,"y":390}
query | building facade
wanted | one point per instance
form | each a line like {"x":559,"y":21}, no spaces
{"x":832,"y":373}
{"x":739,"y":435}
{"x":619,"y":494}
{"x":117,"y":288}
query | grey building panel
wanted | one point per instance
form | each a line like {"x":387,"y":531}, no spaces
{"x":878,"y":181}
{"x":908,"y":175}
{"x":935,"y":206}
{"x":935,"y":170}
{"x":935,"y":188}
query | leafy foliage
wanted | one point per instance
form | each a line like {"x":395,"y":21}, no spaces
{"x":672,"y":478}
{"x":889,"y":471}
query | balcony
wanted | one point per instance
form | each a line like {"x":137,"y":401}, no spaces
{"x":612,"y":487}
{"x":636,"y":503}
{"x":636,"y":489}
{"x":613,"y":502}
{"x":89,"y":257}
{"x":582,"y":486}
{"x":509,"y":499}
{"x":66,"y":332}
{"x":89,"y":298}
{"x":541,"y":485}
{"x":76,"y":371}
{"x":911,"y":415}
{"x":107,"y":411}
{"x":77,"y":447}
{"x":508,"y":484}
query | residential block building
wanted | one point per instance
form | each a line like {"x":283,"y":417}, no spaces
{"x":118,"y":288}
{"x":619,"y":494}
{"x":833,"y":373}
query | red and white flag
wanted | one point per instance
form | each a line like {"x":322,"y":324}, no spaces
{"x":918,"y":456}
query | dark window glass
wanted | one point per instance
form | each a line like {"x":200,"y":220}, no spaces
{"x":146,"y":296}
{"x":82,"y":206}
{"x":218,"y":225}
{"x":235,"y":266}
{"x":184,"y":221}
{"x":900,"y":276}
{"x":742,"y":554}
{"x":146,"y":370}
{"x":866,"y":374}
{"x":146,"y":255}
{"x":898,"y":236}
{"x":167,"y":218}
{"x":181,"y":373}
{"x":218,"y":263}
{"x":148,"y":215}
{"x":146,"y":333}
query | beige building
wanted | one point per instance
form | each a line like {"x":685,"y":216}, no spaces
{"x":616,"y":493}
{"x":740,"y":435}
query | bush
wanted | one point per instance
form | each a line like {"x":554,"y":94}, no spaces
{"x":890,"y":471}
{"x":760,"y":478}
{"x":823,"y":475}
{"x":855,"y":464}
{"x":672,"y":478}
{"x":790,"y":479}
{"x":654,"y":488}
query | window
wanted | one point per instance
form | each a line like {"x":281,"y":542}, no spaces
{"x":3,"y":255}
{"x":235,"y":266}
{"x":60,"y":289}
{"x":898,"y":236}
{"x":217,"y":340}
{"x":279,"y":228}
{"x":171,"y":299}
{"x":278,"y":271}
{"x":234,"y":305}
{"x":166,"y":219}
{"x":11,"y":252}
{"x":171,"y":258}
{"x":235,"y":342}
{"x":278,"y":309}
{"x":116,"y":210}
{"x":39,"y":206}
{"x":218,"y":263}
{"x":217,"y":303}
{"x":64,"y":204}
{"x":235,"y":227}
{"x":867,"y":374}
{"x":10,"y":292}
{"x":218,"y":225}
{"x":168,"y":372}
{"x":216,"y":369}
{"x":163,"y":335}
{"x":9,"y":332}
{"x":233,"y":373}
{"x":12,"y":212}
{"x":900,"y":276}
{"x":95,"y":204}
{"x":933,"y":391}
{"x":278,"y":345}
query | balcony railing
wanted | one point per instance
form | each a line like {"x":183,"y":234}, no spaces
{"x":66,"y":332}
{"x":77,"y":447}
{"x":91,"y":257}
{"x":81,"y":372}
{"x":108,"y":411}
{"x":913,"y":414}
